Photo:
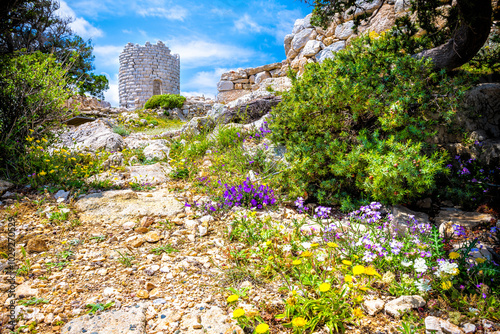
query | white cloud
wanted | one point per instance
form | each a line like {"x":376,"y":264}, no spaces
{"x":79,"y":25}
{"x":112,"y":94}
{"x":197,"y":53}
{"x":172,"y":13}
{"x":199,"y":93}
{"x":107,"y":55}
{"x":206,"y":79}
{"x":247,"y":24}
{"x":222,"y":12}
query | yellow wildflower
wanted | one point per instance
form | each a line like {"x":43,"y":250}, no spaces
{"x":42,"y":173}
{"x":232,"y":298}
{"x":332,"y":245}
{"x":270,"y":258}
{"x":480,"y":260}
{"x":314,"y":245}
{"x":357,"y":313}
{"x":358,"y":270}
{"x":348,"y":278}
{"x":30,"y":139}
{"x":239,"y":312}
{"x":324,"y":287}
{"x":454,"y":255}
{"x":355,"y":257}
{"x":296,"y":262}
{"x":362,"y":288}
{"x":299,"y":322}
{"x":291,"y":301}
{"x":262,"y":328}
{"x":370,"y":271}
{"x":347,"y":262}
{"x":446,"y":285}
{"x":306,"y":254}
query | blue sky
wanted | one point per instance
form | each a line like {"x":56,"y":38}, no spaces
{"x":211,"y":37}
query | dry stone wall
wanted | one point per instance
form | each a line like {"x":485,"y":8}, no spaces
{"x":306,"y":44}
{"x":146,"y":71}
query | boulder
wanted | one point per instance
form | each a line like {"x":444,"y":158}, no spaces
{"x":92,"y":136}
{"x":267,"y":67}
{"x":329,"y":51}
{"x":440,"y":326}
{"x":225,"y":85}
{"x":234,"y":75}
{"x":373,"y":306}
{"x":311,"y":48}
{"x":5,"y":185}
{"x":230,"y":95}
{"x":448,"y":217}
{"x":344,"y":30}
{"x":288,"y":42}
{"x":300,"y":39}
{"x":125,"y":206}
{"x":130,"y":320}
{"x":401,"y":6}
{"x":148,"y":174}
{"x":156,"y":150}
{"x":301,"y":24}
{"x":403,"y":218}
{"x":261,"y":76}
{"x":402,"y":304}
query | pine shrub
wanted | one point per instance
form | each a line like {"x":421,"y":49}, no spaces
{"x":359,"y":126}
{"x":165,"y":101}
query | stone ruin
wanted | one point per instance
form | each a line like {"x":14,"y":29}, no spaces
{"x":146,"y":71}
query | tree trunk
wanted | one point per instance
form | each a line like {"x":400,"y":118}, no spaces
{"x":468,"y":37}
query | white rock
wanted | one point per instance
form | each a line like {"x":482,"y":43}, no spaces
{"x":287,"y":43}
{"x":344,"y":30}
{"x":261,"y":76}
{"x":373,"y":306}
{"x":108,"y":292}
{"x":311,"y":48}
{"x":401,"y":6}
{"x":328,"y":52}
{"x":128,"y":225}
{"x":400,"y":305}
{"x":156,"y":150}
{"x":225,"y":85}
{"x":300,"y":39}
{"x":202,"y":230}
{"x":61,"y":194}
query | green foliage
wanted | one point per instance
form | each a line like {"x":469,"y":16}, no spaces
{"x":358,"y":126}
{"x":33,"y":301}
{"x":163,"y":249}
{"x":33,"y":88}
{"x":165,"y":101}
{"x":125,"y":259}
{"x":94,"y":308}
{"x":122,"y":131}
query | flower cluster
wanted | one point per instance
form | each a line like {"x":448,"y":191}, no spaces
{"x":368,"y":214}
{"x":300,"y":205}
{"x":249,"y":195}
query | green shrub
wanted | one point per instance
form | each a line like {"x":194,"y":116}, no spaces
{"x":358,"y":126}
{"x":165,"y":101}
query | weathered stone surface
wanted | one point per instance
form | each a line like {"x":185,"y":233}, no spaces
{"x":329,"y":51}
{"x":344,"y":30}
{"x":288,"y":42}
{"x":373,"y":306}
{"x":142,"y":174}
{"x":5,"y":185}
{"x":401,"y":6}
{"x":92,"y":136}
{"x":24,"y":291}
{"x":311,"y":48}
{"x":261,"y":76}
{"x":300,"y":39}
{"x":404,"y":217}
{"x":156,"y":150}
{"x":400,"y":305}
{"x":234,"y":75}
{"x":230,"y":95}
{"x":382,"y":21}
{"x":447,"y":218}
{"x":301,"y":24}
{"x":213,"y":321}
{"x":127,"y":320}
{"x":61,"y":194}
{"x":36,"y":245}
{"x":435,"y":325}
{"x":267,"y":67}
{"x":127,"y":205}
{"x":225,"y":85}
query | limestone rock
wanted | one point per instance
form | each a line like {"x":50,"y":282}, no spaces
{"x":61,"y":194}
{"x":301,"y":24}
{"x":373,"y":306}
{"x":155,"y":174}
{"x":261,"y":76}
{"x":156,"y":150}
{"x":400,"y":305}
{"x":5,"y":185}
{"x":288,"y":42}
{"x":36,"y":245}
{"x":234,"y":75}
{"x":126,"y":205}
{"x":447,"y":218}
{"x":230,"y":95}
{"x":401,"y":6}
{"x":152,"y":237}
{"x":225,"y":85}
{"x":404,"y":217}
{"x":300,"y":39}
{"x":92,"y":136}
{"x":24,"y":291}
{"x":329,"y":51}
{"x":344,"y":30}
{"x":267,"y":67}
{"x":311,"y":48}
{"x":440,"y":326}
{"x":130,"y":320}
{"x":115,"y":160}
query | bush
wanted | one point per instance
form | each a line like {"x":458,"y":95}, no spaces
{"x":358,"y":126}
{"x":33,"y":88}
{"x":165,"y":101}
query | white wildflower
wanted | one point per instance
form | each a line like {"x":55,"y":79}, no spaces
{"x":423,"y":285}
{"x":420,"y":265}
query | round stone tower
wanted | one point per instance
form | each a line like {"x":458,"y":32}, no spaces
{"x":146,"y":71}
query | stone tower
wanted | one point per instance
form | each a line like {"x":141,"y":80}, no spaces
{"x":146,"y":71}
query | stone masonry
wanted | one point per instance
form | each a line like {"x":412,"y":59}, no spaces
{"x":146,"y":71}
